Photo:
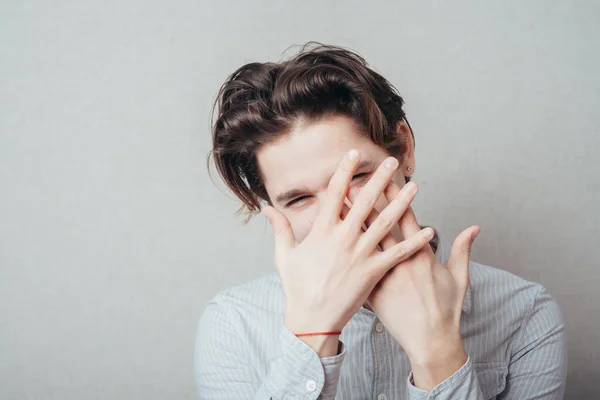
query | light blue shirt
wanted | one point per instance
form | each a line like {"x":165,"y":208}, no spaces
{"x":512,"y":329}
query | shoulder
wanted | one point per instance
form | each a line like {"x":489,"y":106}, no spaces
{"x":496,"y":288}
{"x":246,"y":304}
{"x":501,"y":297}
{"x":243,"y":319}
{"x":263,"y":292}
{"x":494,"y":281}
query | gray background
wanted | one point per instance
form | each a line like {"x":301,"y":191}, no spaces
{"x":113,"y":238}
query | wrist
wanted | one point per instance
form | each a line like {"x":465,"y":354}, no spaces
{"x":303,"y":322}
{"x":324,"y":346}
{"x":430,"y":369}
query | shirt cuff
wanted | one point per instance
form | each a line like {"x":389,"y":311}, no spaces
{"x":462,"y":384}
{"x":331,"y":368}
{"x":299,"y":372}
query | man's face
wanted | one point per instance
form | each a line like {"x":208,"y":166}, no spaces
{"x":297,"y":168}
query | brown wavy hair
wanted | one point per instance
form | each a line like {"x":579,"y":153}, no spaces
{"x":260,"y":102}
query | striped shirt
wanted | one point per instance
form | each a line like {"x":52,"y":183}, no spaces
{"x":512,"y":329}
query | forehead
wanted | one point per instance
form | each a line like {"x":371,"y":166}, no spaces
{"x":308,"y":156}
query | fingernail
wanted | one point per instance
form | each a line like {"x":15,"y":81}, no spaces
{"x":391,"y":163}
{"x":429,"y":232}
{"x":353,"y":154}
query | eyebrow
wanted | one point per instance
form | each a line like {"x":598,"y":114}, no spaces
{"x":284,"y":197}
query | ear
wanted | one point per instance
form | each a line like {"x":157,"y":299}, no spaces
{"x":408,"y":157}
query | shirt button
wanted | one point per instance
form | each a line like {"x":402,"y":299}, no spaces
{"x":379,"y":329}
{"x":382,"y":396}
{"x":311,"y":385}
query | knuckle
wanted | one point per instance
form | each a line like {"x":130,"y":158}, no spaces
{"x":397,"y":208}
{"x":404,"y":198}
{"x":385,"y":223}
{"x":465,"y":249}
{"x":400,"y":251}
{"x":368,"y":198}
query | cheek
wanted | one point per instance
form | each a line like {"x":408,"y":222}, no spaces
{"x":382,"y":202}
{"x":302,"y":221}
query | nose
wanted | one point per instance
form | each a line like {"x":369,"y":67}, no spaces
{"x":314,"y":212}
{"x":308,"y":216}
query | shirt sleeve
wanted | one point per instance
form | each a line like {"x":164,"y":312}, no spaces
{"x":538,"y":365}
{"x":223,"y":369}
{"x":463,"y":384}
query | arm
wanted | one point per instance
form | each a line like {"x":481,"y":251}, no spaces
{"x":463,"y":384}
{"x":224,"y":371}
{"x":420,"y":302}
{"x":538,"y":366}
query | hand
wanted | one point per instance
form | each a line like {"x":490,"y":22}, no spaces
{"x":329,"y":275}
{"x":420,"y":301}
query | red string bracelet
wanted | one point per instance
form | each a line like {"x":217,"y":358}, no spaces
{"x":319,"y":333}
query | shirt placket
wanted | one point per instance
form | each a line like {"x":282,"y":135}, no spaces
{"x":381,"y":362}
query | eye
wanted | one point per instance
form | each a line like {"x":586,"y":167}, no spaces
{"x":361,"y":175}
{"x":296,"y":201}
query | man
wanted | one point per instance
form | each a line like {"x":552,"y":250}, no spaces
{"x":364,"y":303}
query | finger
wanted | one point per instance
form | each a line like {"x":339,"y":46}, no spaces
{"x":370,"y":193}
{"x":345,"y":208}
{"x":458,"y":262}
{"x":352,"y":194}
{"x":379,"y":229}
{"x":388,"y":240}
{"x":338,"y":187}
{"x":385,"y":243}
{"x":402,"y":251}
{"x":408,"y":223}
{"x":282,"y":232}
